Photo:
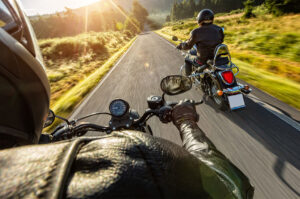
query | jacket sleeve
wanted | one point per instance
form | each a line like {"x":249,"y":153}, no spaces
{"x":189,"y":43}
{"x":222,"y":35}
{"x":196,"y":142}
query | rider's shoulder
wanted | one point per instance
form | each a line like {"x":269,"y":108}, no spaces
{"x":195,"y":31}
{"x":216,"y":26}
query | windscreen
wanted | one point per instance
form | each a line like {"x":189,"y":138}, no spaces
{"x":5,"y":16}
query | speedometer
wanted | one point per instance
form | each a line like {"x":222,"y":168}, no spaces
{"x":118,"y":108}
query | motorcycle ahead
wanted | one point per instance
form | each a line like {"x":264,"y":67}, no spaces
{"x":217,"y":79}
{"x":122,"y":117}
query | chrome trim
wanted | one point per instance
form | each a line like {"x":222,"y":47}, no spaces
{"x":235,"y":66}
{"x":194,"y":79}
{"x":216,"y":52}
{"x":234,"y":90}
{"x":200,"y":74}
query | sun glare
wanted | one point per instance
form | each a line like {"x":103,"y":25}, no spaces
{"x":34,"y":7}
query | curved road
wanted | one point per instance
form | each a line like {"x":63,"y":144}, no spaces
{"x":261,"y":140}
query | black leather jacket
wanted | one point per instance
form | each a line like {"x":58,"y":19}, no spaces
{"x":124,"y":164}
{"x":206,"y":37}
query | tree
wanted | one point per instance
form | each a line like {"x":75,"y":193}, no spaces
{"x":168,"y":18}
{"x":279,"y":7}
{"x":139,"y":13}
{"x":132,"y":25}
{"x":248,"y":9}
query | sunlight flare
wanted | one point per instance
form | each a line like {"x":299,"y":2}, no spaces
{"x":124,"y":14}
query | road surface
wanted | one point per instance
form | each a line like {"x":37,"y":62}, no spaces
{"x":261,"y":140}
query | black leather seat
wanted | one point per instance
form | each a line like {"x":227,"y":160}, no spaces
{"x":222,"y":61}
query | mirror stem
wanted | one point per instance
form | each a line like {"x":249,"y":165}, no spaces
{"x":163,"y":97}
{"x":67,"y":121}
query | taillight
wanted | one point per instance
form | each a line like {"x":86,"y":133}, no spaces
{"x":228,"y":77}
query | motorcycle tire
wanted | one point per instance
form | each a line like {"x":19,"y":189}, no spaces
{"x":218,"y":100}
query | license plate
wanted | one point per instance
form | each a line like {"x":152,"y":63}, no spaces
{"x":236,"y":101}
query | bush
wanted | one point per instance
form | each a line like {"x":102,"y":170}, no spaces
{"x":68,"y":48}
{"x":96,"y":46}
{"x":248,"y":9}
{"x":128,"y":33}
{"x":132,"y":25}
{"x":168,"y":18}
{"x":279,"y":7}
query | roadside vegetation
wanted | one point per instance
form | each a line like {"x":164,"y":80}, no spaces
{"x":69,"y":60}
{"x":266,"y":48}
{"x":65,"y":104}
{"x":79,"y":49}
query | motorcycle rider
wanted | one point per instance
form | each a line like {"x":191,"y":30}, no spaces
{"x":206,"y":38}
{"x":125,"y":164}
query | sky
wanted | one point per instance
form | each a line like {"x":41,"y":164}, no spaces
{"x":34,"y":7}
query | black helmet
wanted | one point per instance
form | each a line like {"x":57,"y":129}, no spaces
{"x":24,"y":87}
{"x":205,"y":16}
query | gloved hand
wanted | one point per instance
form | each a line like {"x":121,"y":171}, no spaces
{"x":184,"y":111}
{"x":179,"y":46}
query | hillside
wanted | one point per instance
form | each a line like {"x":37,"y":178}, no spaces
{"x":151,"y":5}
{"x":267,"y":52}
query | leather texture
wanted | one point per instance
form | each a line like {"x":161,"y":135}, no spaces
{"x":206,"y":37}
{"x":125,"y":164}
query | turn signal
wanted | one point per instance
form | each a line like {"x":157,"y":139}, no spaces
{"x":246,"y":87}
{"x":220,"y":93}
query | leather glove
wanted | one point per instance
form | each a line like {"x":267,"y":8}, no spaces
{"x":184,"y":111}
{"x":179,"y":47}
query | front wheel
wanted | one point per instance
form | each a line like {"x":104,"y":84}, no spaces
{"x":218,"y":100}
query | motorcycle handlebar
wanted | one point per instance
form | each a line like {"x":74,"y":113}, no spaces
{"x":70,"y":130}
{"x":145,"y":116}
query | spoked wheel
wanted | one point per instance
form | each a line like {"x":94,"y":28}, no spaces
{"x":219,"y":100}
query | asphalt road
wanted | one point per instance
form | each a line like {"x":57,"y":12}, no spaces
{"x":263,"y":145}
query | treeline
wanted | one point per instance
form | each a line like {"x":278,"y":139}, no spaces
{"x":74,"y":22}
{"x":190,"y":8}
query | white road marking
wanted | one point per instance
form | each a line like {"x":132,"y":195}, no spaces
{"x":83,"y":104}
{"x":276,"y":112}
{"x":165,"y":40}
{"x":269,"y":108}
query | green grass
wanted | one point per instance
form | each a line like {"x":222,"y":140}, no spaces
{"x":266,"y":51}
{"x":283,"y":89}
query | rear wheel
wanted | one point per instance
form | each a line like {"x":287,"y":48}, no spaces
{"x":218,"y":100}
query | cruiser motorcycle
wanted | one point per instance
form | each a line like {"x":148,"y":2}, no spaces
{"x":122,"y":116}
{"x":218,"y":79}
